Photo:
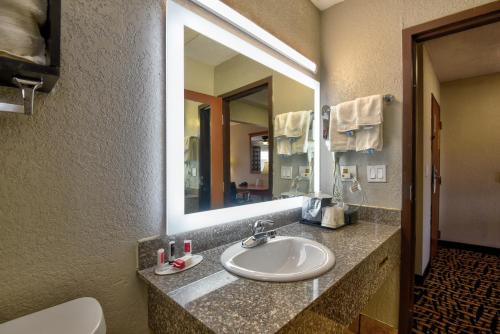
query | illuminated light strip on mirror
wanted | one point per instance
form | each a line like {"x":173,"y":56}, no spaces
{"x":231,"y":16}
{"x":177,"y":222}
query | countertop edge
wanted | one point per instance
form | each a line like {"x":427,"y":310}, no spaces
{"x":314,"y":306}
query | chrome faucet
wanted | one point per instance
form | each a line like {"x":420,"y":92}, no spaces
{"x":259,"y":237}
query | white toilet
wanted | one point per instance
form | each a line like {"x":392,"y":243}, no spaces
{"x":79,"y":316}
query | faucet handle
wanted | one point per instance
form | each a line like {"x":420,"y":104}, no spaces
{"x":261,"y":224}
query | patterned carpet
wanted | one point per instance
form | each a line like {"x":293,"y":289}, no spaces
{"x":461,"y":294}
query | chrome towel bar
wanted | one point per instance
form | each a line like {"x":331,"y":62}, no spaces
{"x":388,"y":98}
{"x":28,"y":88}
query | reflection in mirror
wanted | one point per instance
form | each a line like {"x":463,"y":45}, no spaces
{"x":247,"y":129}
{"x":249,"y":163}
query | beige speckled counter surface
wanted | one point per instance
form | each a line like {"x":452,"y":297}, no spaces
{"x":209,"y":299}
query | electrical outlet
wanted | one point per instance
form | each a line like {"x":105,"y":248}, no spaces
{"x":348,"y":173}
{"x":304,"y":171}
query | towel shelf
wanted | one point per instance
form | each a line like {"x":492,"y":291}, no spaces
{"x":30,"y":77}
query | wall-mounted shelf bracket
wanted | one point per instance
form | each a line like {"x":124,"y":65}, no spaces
{"x":28,"y":88}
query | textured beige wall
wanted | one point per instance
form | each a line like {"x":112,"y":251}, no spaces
{"x":82,"y":179}
{"x":429,"y":84}
{"x":361,"y":55}
{"x":470,"y":161}
{"x":295,"y":22}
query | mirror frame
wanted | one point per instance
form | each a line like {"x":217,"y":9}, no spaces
{"x":177,"y":221}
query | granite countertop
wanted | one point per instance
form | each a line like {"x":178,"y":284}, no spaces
{"x":222,"y":301}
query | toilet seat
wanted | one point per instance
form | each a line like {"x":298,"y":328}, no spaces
{"x":79,"y":316}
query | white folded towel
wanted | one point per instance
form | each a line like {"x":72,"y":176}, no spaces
{"x":292,"y":132}
{"x":301,"y":144}
{"x":369,"y":110}
{"x":346,"y":116}
{"x":369,"y":138}
{"x":339,"y":141}
{"x":191,"y":148}
{"x":20,"y":23}
{"x":297,"y":124}
{"x":280,"y":125}
{"x":283,"y":146}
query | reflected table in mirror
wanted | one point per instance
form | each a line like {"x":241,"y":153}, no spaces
{"x":257,"y":193}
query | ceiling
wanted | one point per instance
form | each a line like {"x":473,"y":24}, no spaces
{"x":466,"y":54}
{"x":324,"y":4}
{"x":205,"y":50}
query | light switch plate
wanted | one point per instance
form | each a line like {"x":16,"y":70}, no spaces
{"x":286,"y":172}
{"x":376,"y":174}
{"x":347,"y":173}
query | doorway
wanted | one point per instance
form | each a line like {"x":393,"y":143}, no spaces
{"x":459,"y":22}
{"x":252,"y":181}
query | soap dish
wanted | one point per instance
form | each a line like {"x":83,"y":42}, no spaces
{"x":169,"y":270}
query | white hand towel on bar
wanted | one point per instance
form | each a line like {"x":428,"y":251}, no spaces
{"x":369,"y":137}
{"x":280,"y":124}
{"x":369,"y":110}
{"x":346,"y":116}
{"x":283,"y":146}
{"x":297,"y":124}
{"x":339,"y":141}
{"x":300,"y":144}
{"x":292,"y":132}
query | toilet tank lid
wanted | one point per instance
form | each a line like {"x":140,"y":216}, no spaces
{"x":79,"y":316}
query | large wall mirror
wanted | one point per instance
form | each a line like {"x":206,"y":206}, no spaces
{"x":234,"y":154}
{"x":245,"y":122}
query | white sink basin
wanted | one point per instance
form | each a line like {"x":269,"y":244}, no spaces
{"x":282,"y":259}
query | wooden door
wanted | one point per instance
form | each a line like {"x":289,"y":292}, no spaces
{"x":216,"y":145}
{"x":436,"y":173}
{"x":205,"y":175}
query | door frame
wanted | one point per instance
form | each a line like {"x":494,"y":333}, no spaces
{"x":216,"y":176}
{"x":447,"y":25}
{"x":251,"y":88}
